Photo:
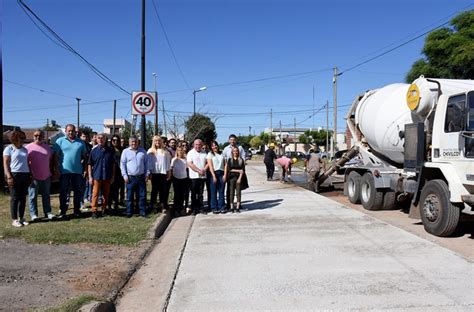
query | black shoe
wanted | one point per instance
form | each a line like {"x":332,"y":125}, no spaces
{"x":237,"y":210}
{"x":233,"y":210}
{"x":77,"y":215}
{"x":224,"y":211}
{"x":215,"y":212}
{"x":145,"y":216}
{"x":63,"y":216}
{"x":94,"y":215}
{"x":129,"y":215}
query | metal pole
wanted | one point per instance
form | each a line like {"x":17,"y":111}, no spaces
{"x":143,"y":123}
{"x":334,"y":144}
{"x":294,"y":133}
{"x":174,"y":127}
{"x":313,"y":108}
{"x":164,"y":118}
{"x":156,"y":107}
{"x":78,"y":103}
{"x":115,"y":112}
{"x":327,"y":127}
{"x":194,"y":94}
{"x":271,"y":125}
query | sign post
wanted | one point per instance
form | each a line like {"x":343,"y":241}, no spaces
{"x":143,"y":103}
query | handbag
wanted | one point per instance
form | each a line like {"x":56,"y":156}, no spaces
{"x":245,"y":182}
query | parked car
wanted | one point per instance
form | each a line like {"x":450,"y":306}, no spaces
{"x":248,"y":155}
{"x":297,"y":155}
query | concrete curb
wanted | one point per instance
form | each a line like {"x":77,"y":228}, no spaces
{"x":158,"y":228}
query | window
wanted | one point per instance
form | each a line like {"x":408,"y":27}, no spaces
{"x":455,"y":120}
{"x":470,"y":120}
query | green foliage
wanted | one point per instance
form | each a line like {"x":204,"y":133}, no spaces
{"x":200,"y":127}
{"x":448,"y":52}
{"x":149,"y":132}
{"x":314,"y":137}
{"x":74,"y":304}
{"x":256,"y":142}
{"x":244,"y":140}
{"x":87,"y":130}
{"x":267,"y":138}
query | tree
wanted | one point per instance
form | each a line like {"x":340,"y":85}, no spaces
{"x":256,"y":142}
{"x":51,"y":127}
{"x":266,"y":138}
{"x":86,"y":129}
{"x":244,"y":140}
{"x":200,"y":127}
{"x":317,"y":138}
{"x":149,"y":130}
{"x":448,"y":52}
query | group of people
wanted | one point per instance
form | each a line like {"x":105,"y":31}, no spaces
{"x":100,"y":171}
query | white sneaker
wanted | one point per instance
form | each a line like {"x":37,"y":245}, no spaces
{"x":16,"y":223}
{"x":23,"y":221}
{"x":33,"y":218}
{"x":50,"y":216}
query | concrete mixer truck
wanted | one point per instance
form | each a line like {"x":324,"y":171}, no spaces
{"x":413,"y":144}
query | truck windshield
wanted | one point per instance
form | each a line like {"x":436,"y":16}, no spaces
{"x":470,"y":114}
{"x":455,"y":118}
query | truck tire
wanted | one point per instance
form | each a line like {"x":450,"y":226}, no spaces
{"x":370,"y":198}
{"x":353,"y":187}
{"x":440,"y":217}
{"x":389,"y":200}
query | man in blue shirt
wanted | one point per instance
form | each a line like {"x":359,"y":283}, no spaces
{"x":101,"y":172}
{"x":71,"y":153}
{"x":134,"y":169}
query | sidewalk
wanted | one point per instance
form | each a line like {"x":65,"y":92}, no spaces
{"x":291,"y":249}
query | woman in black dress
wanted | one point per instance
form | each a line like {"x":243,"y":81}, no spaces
{"x":234,"y":171}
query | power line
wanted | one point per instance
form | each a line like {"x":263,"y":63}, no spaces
{"x":169,"y":45}
{"x":66,"y":46}
{"x":399,"y":45}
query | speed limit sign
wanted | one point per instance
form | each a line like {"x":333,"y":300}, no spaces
{"x":143,"y":102}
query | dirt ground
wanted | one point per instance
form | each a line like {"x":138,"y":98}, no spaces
{"x":41,"y":276}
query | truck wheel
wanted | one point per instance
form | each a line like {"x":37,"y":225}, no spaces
{"x":370,"y":198}
{"x":353,"y":187}
{"x":389,"y":200}
{"x":440,"y":217}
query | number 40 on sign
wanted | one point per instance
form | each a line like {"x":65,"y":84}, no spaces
{"x":143,"y":102}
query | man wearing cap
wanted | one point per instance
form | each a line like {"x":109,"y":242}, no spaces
{"x":312,"y":165}
{"x":268,"y":159}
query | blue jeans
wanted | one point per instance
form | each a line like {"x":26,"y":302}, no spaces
{"x":39,"y":187}
{"x":217,"y":191}
{"x":66,"y":181}
{"x":136,"y":184}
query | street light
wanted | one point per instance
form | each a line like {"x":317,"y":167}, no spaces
{"x":194,"y":93}
{"x":154,"y":76}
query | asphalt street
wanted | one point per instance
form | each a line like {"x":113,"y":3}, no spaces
{"x":292,"y":249}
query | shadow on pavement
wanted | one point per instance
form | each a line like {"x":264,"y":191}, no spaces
{"x":265,"y":204}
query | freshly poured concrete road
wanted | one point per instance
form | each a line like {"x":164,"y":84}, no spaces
{"x":293,"y":250}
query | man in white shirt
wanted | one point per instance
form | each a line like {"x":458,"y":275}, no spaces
{"x":197,"y":164}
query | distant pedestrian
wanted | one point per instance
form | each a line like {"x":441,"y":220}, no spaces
{"x":234,"y":172}
{"x":312,"y":165}
{"x":285,"y":164}
{"x":101,"y":173}
{"x":117,"y":185}
{"x":159,"y":163}
{"x":71,"y":152}
{"x":269,"y":159}
{"x":134,"y":169}
{"x":180,"y":179}
{"x":42,"y":164}
{"x":15,"y":165}
{"x":197,"y":164}
{"x":216,"y":163}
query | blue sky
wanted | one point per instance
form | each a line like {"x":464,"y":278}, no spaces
{"x":216,"y":42}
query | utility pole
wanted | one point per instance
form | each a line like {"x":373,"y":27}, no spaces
{"x":334,"y":80}
{"x":281,"y":141}
{"x":115,"y":113}
{"x":294,"y":133}
{"x":271,"y":125}
{"x":78,"y":103}
{"x":250,"y":130}
{"x":313,"y":109}
{"x":174,"y":127}
{"x":156,"y":108}
{"x":327,"y":127}
{"x":143,"y":125}
{"x":164,"y":118}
